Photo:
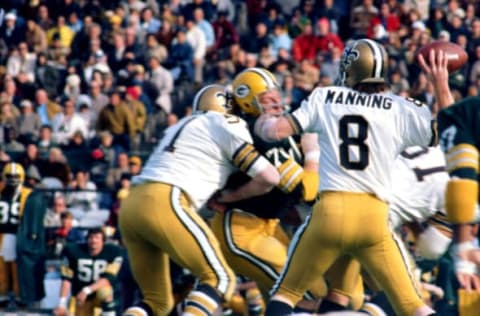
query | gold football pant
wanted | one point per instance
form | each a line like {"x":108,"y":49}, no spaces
{"x":251,"y":246}
{"x":254,"y":247}
{"x":354,"y":224}
{"x":157,"y":221}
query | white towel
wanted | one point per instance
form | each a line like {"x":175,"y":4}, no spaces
{"x":9,"y":247}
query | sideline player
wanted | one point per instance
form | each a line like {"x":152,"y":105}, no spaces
{"x":159,"y":218}
{"x":362,"y":128}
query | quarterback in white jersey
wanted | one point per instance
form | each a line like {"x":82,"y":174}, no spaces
{"x":361,"y":128}
{"x":159,"y":219}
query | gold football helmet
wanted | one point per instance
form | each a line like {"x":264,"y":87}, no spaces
{"x":363,"y":61}
{"x":248,"y":85}
{"x":13,"y":174}
{"x":213,"y":97}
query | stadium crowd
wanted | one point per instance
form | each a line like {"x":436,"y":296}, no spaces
{"x":87,"y":87}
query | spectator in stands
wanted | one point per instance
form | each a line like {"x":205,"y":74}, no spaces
{"x":10,"y":32}
{"x":115,"y":174}
{"x":325,"y":38}
{"x":43,"y":17}
{"x":118,"y":120}
{"x":84,"y":196}
{"x":12,"y":145}
{"x":361,"y":18}
{"x":280,"y":38}
{"x":306,"y":75}
{"x":66,"y":123}
{"x":225,"y":33}
{"x":65,"y":33}
{"x":9,"y":114}
{"x":30,"y":157}
{"x":22,"y":60}
{"x":46,"y":108}
{"x":389,"y":20}
{"x":138,"y":111}
{"x":154,"y":48}
{"x":302,"y":47}
{"x":53,"y":215}
{"x":180,"y":59}
{"x":150,"y":24}
{"x":206,"y":27}
{"x":29,"y":123}
{"x":162,"y":80}
{"x":10,"y":91}
{"x":45,"y":141}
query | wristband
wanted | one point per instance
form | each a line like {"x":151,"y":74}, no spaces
{"x":465,"y":266}
{"x":312,"y":156}
{"x":87,"y":290}
{"x":463,"y":246}
{"x":63,"y":302}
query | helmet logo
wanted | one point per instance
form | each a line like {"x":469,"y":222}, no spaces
{"x":242,"y":91}
{"x":349,"y":55}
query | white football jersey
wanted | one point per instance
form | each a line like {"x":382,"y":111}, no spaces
{"x":419,"y":185}
{"x":200,"y":152}
{"x":360,"y":136}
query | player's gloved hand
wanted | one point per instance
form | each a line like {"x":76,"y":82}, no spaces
{"x":291,"y":174}
{"x":310,"y":183}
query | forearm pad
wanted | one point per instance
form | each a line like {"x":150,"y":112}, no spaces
{"x":461,"y":200}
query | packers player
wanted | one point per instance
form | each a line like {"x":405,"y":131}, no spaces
{"x":459,"y":132}
{"x":361,"y":130}
{"x":159,"y":218}
{"x":13,"y":197}
{"x":89,"y":274}
{"x":250,"y":236}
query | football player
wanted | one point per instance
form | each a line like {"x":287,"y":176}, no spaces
{"x":159,"y":218}
{"x":250,"y":236}
{"x":361,"y":128}
{"x":459,"y":132}
{"x":89,"y":274}
{"x":418,"y":196}
{"x":13,"y":197}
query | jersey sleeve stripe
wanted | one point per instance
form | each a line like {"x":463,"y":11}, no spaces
{"x":295,"y":124}
{"x":66,"y":272}
{"x":241,"y":153}
{"x":249,"y":161}
{"x":463,"y":156}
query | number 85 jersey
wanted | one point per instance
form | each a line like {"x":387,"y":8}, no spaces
{"x":360,"y":136}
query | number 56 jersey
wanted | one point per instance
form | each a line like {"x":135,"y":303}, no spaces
{"x":360,"y":136}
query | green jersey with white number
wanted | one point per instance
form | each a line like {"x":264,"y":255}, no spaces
{"x":82,"y":269}
{"x":459,"y":130}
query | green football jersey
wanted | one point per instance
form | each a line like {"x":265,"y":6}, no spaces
{"x":82,"y":269}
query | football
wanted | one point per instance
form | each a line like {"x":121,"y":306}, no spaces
{"x":456,"y":55}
